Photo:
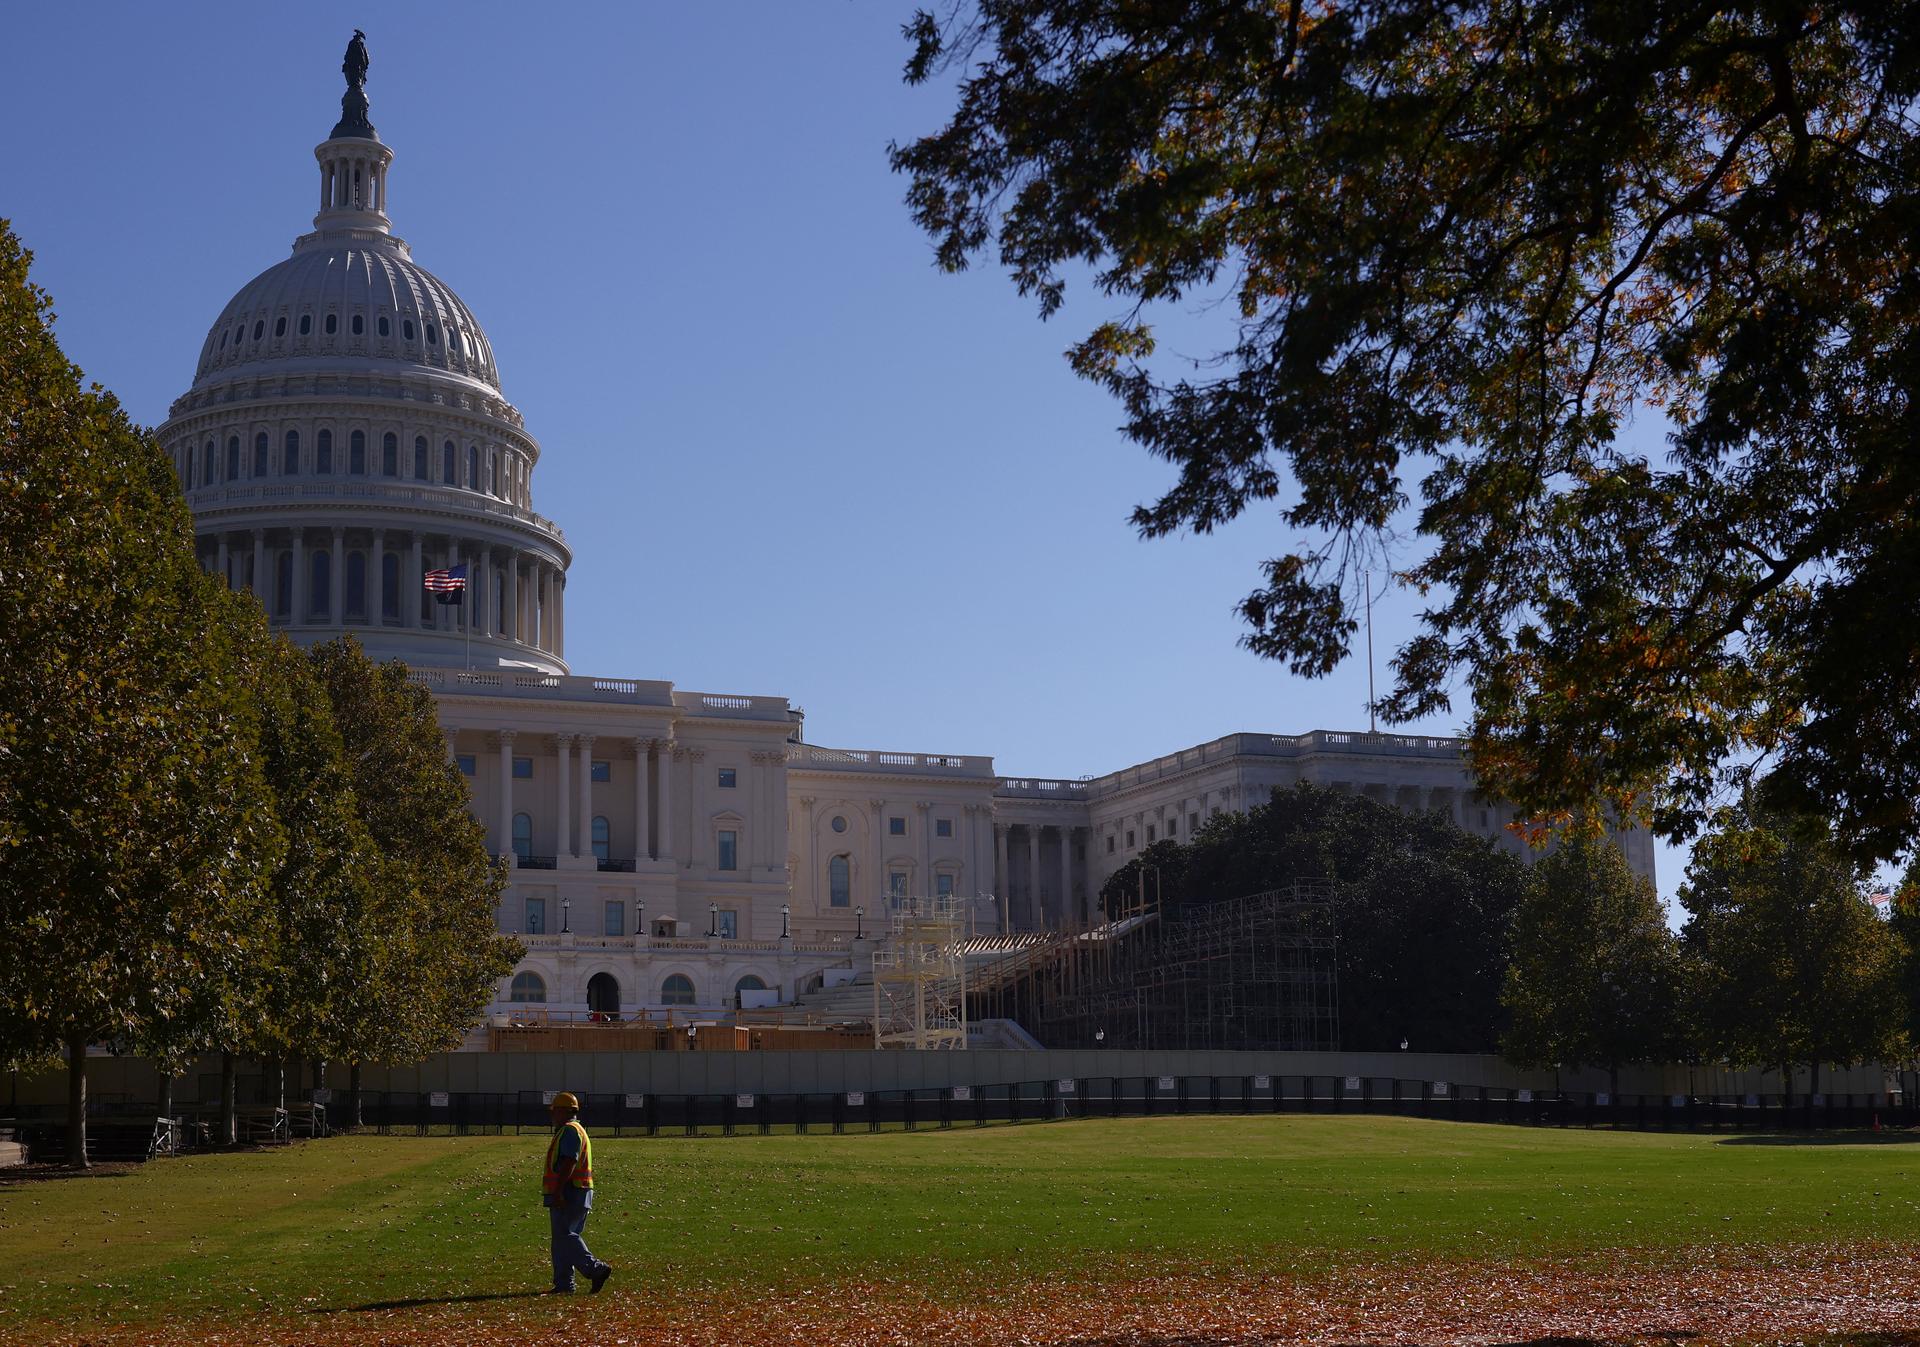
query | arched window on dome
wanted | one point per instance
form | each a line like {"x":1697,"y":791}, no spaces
{"x":433,"y":335}
{"x":386,"y":328}
{"x":677,"y":990}
{"x":320,"y":586}
{"x":390,"y":588}
{"x":359,"y":325}
{"x":447,"y":472}
{"x":357,"y":453}
{"x":473,"y":468}
{"x":290,"y":456}
{"x":406,"y":328}
{"x":233,"y":458}
{"x":528,"y":988}
{"x":839,"y":882}
{"x":306,"y":325}
{"x":332,"y":324}
{"x":420,"y":458}
{"x":223,"y":339}
{"x":357,"y":586}
{"x":283,"y":586}
{"x":259,"y":328}
{"x":522,"y":836}
{"x":206,"y":465}
{"x":183,"y":468}
{"x":260,"y":454}
{"x":390,"y":455}
{"x":323,"y":452}
{"x":280,"y":327}
{"x":494,"y":460}
{"x":239,"y":334}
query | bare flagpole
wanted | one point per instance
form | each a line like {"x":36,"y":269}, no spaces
{"x":1367,"y":580}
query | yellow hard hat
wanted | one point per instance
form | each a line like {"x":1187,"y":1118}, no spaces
{"x":567,"y":1099}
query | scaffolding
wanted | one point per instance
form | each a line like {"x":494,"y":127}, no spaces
{"x":1257,"y":972}
{"x":920,"y":975}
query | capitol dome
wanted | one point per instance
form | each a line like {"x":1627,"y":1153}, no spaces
{"x":346,"y":439}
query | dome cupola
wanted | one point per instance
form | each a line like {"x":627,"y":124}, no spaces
{"x":346,"y":433}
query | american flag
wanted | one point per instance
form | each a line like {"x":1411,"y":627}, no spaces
{"x":447,"y":580}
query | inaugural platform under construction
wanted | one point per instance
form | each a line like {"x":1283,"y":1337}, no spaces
{"x":920,"y":976}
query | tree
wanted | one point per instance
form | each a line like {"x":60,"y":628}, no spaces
{"x":134,"y":837}
{"x":1423,"y":907}
{"x":1595,"y":976}
{"x":1461,"y":246}
{"x":431,"y":951}
{"x":1787,"y":960}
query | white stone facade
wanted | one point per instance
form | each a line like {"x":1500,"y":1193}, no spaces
{"x":346,"y":432}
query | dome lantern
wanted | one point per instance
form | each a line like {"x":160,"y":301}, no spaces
{"x":353,"y":162}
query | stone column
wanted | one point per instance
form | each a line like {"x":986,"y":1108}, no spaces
{"x":563,"y":832}
{"x":419,"y":578}
{"x":509,"y":581}
{"x":560,"y":614}
{"x":337,"y":580}
{"x":878,"y":809}
{"x":460,"y":608}
{"x":699,"y":835}
{"x":377,"y":580}
{"x":259,"y":583}
{"x":663,"y":839}
{"x":506,"y":792}
{"x":299,"y":612}
{"x":924,"y":821}
{"x":584,"y":841}
{"x":1066,"y":877}
{"x":545,"y":634}
{"x":641,"y":851}
{"x":1000,"y":873}
{"x":1035,"y":909}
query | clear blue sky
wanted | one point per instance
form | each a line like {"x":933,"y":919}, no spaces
{"x":791,"y":457}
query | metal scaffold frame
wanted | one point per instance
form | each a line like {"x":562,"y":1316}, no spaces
{"x":920,"y":975}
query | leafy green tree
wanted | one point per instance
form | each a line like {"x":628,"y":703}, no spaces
{"x":1423,"y":907}
{"x":135,"y":839}
{"x":1452,"y":249}
{"x":431,"y":951}
{"x":1787,"y":961}
{"x":1595,"y":976}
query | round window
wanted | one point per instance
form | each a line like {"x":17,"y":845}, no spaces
{"x":839,"y":823}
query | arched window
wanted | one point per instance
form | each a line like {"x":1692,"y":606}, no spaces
{"x":280,"y":327}
{"x":495,"y":463}
{"x":259,"y":328}
{"x":283,"y":585}
{"x":406,"y":328}
{"x":319,"y":586}
{"x":206,"y":466}
{"x":359,"y":325}
{"x":357,"y":585}
{"x":473,"y":468}
{"x":260,"y":454}
{"x":523,"y":835}
{"x":677,"y":991}
{"x":306,"y":325}
{"x":749,"y":983}
{"x":528,"y":987}
{"x":290,"y":459}
{"x":357,"y":453}
{"x":390,"y":455}
{"x":386,"y":328}
{"x":446,"y":464}
{"x":323,"y":451}
{"x":390,"y":588}
{"x":839,"y":882}
{"x":420,"y":458}
{"x":601,"y":837}
{"x":183,"y":468}
{"x":603,"y":995}
{"x":433,"y":335}
{"x":333,"y":324}
{"x":233,"y":458}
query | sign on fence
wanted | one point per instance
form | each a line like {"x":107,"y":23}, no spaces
{"x":1353,"y":1082}
{"x":1063,"y":1087}
{"x":323,"y":1095}
{"x":1819,"y":1101}
{"x":1678,"y":1101}
{"x":636,"y":1101}
{"x":856,"y":1098}
{"x":1526,"y":1096}
{"x":962,"y":1093}
{"x":1166,"y":1082}
{"x":546,"y":1096}
{"x":1602,"y":1099}
{"x":743,"y":1101}
{"x":1753,"y":1101}
{"x":438,"y":1099}
{"x":1262,"y":1082}
{"x":1439,"y":1089}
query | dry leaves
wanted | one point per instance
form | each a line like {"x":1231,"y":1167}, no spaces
{"x":1704,"y":1296}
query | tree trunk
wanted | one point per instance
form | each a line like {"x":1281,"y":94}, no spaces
{"x":77,"y":1101}
{"x":353,"y":1096}
{"x":229,"y":1123}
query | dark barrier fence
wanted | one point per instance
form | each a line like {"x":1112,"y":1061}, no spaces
{"x":949,"y":1107}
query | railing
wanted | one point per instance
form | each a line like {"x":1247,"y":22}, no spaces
{"x":618,"y":865}
{"x":752,"y":708}
{"x":548,"y":687}
{"x":211,"y":497}
{"x":536,"y":863}
{"x":867,"y":760}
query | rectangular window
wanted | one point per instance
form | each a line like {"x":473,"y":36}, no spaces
{"x":943,"y":827}
{"x":522,"y":768}
{"x":1193,"y":823}
{"x":467,"y":764}
{"x":1129,"y":839}
{"x":896,"y":827}
{"x":1150,"y":834}
{"x":943,"y":885}
{"x":897,"y":883}
{"x":1109,"y":844}
{"x":536,"y":916}
{"x":616,"y":917}
{"x":729,"y":850}
{"x":1173,"y":826}
{"x":601,"y":771}
{"x":728,"y":779}
{"x":728,"y":924}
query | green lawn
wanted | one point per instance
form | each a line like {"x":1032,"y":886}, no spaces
{"x":355,"y":1220}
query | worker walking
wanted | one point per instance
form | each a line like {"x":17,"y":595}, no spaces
{"x":566,"y":1189}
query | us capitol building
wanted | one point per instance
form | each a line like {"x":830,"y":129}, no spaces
{"x":347,"y":431}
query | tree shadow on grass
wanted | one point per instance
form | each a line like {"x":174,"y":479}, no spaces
{"x":1824,"y":1139}
{"x":427,"y":1300}
{"x":53,"y":1173}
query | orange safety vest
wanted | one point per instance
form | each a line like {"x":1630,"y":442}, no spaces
{"x":582,"y":1176}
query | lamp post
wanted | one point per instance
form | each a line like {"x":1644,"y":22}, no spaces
{"x":786,"y":921}
{"x":640,"y":917}
{"x":859,"y":923}
{"x":713,"y":919}
{"x":566,"y":916}
{"x":1099,"y":1038}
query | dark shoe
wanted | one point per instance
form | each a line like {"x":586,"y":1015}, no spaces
{"x":558,"y":1291}
{"x":599,"y":1279}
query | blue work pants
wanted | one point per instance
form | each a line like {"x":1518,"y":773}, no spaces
{"x":570,"y":1253}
